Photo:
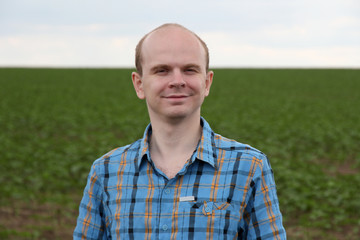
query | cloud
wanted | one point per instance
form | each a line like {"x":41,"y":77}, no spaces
{"x":54,"y":50}
{"x":239,"y":33}
{"x":235,"y":50}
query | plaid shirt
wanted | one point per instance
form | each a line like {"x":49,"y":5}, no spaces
{"x":226,"y":190}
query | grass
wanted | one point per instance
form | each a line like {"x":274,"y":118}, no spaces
{"x":55,"y":122}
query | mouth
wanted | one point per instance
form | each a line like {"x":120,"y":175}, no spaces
{"x":176,"y":96}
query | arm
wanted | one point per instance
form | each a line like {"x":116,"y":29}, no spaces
{"x":264,"y":216}
{"x":90,"y":223}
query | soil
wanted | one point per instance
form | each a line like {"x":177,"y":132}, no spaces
{"x":35,"y":221}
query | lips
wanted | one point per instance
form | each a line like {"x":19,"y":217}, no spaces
{"x":176,"y":96}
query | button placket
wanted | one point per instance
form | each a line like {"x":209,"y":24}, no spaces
{"x":166,"y":207}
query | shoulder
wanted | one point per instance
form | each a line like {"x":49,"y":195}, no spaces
{"x":244,"y":151}
{"x":125,"y":153}
{"x":229,"y":145}
{"x":224,"y":143}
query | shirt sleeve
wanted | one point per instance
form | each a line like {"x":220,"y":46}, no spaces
{"x":264,"y":216}
{"x":91,"y":223}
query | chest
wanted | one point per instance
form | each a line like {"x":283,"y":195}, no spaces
{"x":199,"y":202}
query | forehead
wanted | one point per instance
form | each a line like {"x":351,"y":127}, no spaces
{"x":172,"y":44}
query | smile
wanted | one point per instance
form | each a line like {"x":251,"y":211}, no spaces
{"x":176,"y":96}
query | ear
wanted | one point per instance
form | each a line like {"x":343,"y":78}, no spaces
{"x":208,"y":82}
{"x":138,"y":85}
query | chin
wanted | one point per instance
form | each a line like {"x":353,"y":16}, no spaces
{"x":177,"y":115}
{"x":180,"y":114}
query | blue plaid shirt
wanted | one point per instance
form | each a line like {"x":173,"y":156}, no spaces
{"x":226,"y":190}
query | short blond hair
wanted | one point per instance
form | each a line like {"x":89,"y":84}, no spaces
{"x":138,"y":49}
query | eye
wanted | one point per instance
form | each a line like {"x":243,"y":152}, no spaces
{"x":190,"y":70}
{"x":161,"y":71}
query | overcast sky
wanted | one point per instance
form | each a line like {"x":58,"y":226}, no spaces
{"x":257,"y":33}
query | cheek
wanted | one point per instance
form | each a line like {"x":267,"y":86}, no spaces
{"x":202,"y":88}
{"x":197,"y":84}
{"x":152,"y":89}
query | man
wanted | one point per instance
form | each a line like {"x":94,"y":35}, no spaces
{"x":181,"y":180}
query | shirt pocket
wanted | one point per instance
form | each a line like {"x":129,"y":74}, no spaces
{"x":219,"y":219}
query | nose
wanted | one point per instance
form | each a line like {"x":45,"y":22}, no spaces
{"x":177,"y":79}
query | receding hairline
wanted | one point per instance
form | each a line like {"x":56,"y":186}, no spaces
{"x":139,"y":46}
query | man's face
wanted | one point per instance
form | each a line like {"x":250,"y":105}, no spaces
{"x":174,"y":80}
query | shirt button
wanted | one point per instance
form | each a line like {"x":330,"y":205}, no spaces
{"x":167,"y":191}
{"x":165,"y":227}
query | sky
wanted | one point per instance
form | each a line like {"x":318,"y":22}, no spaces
{"x":258,"y":33}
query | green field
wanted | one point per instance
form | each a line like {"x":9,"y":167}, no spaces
{"x":55,"y":122}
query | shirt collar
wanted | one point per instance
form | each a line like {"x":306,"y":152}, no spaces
{"x":205,"y":150}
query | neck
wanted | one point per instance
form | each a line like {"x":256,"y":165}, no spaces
{"x":171,"y":140}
